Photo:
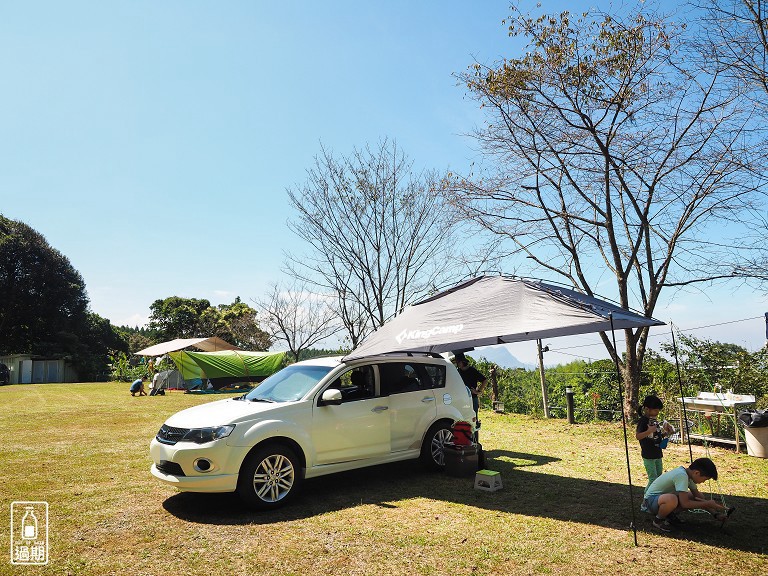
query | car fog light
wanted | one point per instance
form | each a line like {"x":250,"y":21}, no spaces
{"x":202,"y":465}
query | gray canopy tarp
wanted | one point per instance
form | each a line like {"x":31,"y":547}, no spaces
{"x":496,"y":310}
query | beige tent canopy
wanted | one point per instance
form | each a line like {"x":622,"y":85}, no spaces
{"x":212,"y":344}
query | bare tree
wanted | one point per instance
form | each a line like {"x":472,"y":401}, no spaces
{"x":737,"y":37}
{"x":298,"y":317}
{"x":614,"y":163}
{"x":379,"y":234}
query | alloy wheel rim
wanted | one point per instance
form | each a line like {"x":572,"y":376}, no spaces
{"x":274,"y":478}
{"x":438,"y":442}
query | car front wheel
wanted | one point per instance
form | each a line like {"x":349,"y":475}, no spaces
{"x":270,"y":477}
{"x":432,"y":450}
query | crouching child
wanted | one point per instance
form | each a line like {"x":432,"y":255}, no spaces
{"x":677,"y":490}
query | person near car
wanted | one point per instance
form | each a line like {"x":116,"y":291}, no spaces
{"x":138,"y":386}
{"x":472,"y":377}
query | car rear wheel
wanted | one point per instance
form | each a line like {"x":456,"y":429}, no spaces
{"x":432,"y":450}
{"x":270,"y":477}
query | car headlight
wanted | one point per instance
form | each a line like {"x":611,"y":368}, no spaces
{"x":203,"y":435}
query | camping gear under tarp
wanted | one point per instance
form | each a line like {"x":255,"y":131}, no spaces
{"x":172,"y":380}
{"x":228,"y":366}
{"x":496,"y":310}
{"x":211,"y":344}
{"x":190,"y":370}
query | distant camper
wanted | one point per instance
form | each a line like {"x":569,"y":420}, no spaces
{"x":138,"y":386}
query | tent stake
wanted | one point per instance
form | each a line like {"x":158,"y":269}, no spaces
{"x":624,"y":423}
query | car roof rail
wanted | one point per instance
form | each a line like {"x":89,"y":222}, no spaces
{"x":411,"y":353}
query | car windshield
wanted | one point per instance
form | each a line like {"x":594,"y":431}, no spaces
{"x":288,"y":385}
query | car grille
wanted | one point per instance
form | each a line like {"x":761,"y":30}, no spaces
{"x":167,"y":467}
{"x":170,"y":435}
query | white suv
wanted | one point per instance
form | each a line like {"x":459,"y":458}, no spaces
{"x":313,"y":418}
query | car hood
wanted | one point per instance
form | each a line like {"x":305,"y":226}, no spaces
{"x":221,"y":412}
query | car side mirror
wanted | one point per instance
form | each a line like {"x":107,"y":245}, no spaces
{"x":331,"y":397}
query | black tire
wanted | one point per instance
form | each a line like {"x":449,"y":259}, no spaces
{"x":432,"y":451}
{"x":270,"y":477}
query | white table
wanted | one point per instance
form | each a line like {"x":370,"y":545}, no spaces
{"x":717,"y":403}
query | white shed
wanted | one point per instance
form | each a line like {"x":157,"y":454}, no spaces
{"x":34,"y":369}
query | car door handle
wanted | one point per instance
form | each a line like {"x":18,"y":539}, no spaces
{"x":428,"y":399}
{"x":380,"y":409}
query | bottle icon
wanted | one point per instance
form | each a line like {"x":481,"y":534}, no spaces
{"x":29,"y":524}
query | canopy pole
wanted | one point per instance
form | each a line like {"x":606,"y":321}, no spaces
{"x":684,"y":423}
{"x":624,"y":424}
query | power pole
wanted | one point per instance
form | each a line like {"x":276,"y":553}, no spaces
{"x":544,"y":396}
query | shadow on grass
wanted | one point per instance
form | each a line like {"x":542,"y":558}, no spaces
{"x":526,"y":491}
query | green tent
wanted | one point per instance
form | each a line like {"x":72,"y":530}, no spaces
{"x":227,"y":366}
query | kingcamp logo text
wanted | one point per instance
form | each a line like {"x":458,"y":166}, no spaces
{"x":424,"y":334}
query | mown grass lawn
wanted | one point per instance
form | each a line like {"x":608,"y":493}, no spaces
{"x":83,"y":448}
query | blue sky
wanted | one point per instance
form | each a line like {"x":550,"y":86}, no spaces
{"x":152,"y":142}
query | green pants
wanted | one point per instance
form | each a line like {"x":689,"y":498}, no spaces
{"x":654,"y":468}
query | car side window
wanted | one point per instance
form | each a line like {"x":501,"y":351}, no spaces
{"x":436,"y":375}
{"x":401,"y":377}
{"x":355,"y":384}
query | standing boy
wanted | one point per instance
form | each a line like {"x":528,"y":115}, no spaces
{"x":650,"y":434}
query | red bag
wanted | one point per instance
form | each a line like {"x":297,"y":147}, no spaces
{"x":462,"y":433}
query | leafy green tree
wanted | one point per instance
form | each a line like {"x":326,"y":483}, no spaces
{"x":754,"y":378}
{"x":137,"y":341}
{"x":519,"y":389}
{"x":176,"y":317}
{"x":123,"y":370}
{"x":593,"y":385}
{"x":309,"y":353}
{"x":43,"y":296}
{"x":709,"y":366}
{"x":45,"y":306}
{"x":241,"y":326}
{"x":659,"y":377}
{"x":138,"y":337}
{"x":97,"y":339}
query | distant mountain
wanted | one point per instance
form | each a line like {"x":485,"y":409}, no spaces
{"x":499,"y":355}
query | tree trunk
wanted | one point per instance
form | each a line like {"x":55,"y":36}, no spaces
{"x":630,"y":374}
